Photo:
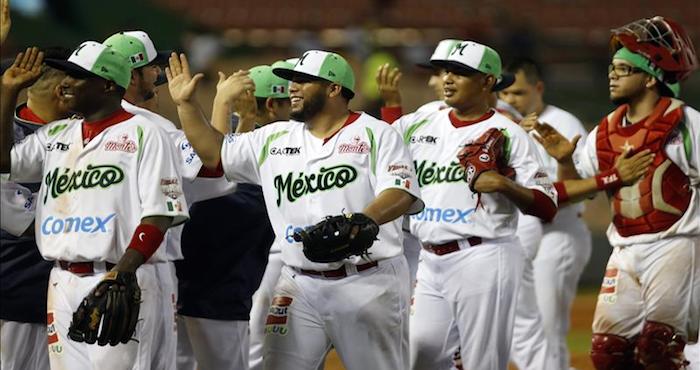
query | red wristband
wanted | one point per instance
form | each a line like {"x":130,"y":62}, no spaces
{"x":562,"y":195}
{"x":146,"y":240}
{"x":391,"y":114}
{"x":542,"y":207}
{"x":609,"y":179}
{"x":211,"y":173}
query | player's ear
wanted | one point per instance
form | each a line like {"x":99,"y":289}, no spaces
{"x":110,"y":86}
{"x":540,"y":87}
{"x":270,"y":105}
{"x":651,"y":81}
{"x":335,"y":90}
{"x":135,"y":74}
{"x":489,"y":81}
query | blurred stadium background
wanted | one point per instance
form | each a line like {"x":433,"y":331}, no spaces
{"x":570,"y":38}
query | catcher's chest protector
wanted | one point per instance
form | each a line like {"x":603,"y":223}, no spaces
{"x":660,"y":198}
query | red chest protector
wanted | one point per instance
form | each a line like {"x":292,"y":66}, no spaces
{"x":660,"y":198}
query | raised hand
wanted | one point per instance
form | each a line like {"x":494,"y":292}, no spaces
{"x":529,"y":122}
{"x":181,"y":83}
{"x":633,"y":168}
{"x":5,"y":21}
{"x":554,"y":142}
{"x":24,"y":71}
{"x":388,"y":79}
{"x":235,"y":86}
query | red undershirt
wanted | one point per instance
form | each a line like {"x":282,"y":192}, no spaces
{"x":457,"y":123}
{"x":92,"y":129}
{"x":351,"y":118}
{"x":28,"y":114}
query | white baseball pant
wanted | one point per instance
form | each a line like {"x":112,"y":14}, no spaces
{"x":205,"y":344}
{"x":364,"y":316}
{"x":473,"y":289}
{"x":23,"y":346}
{"x":261,"y":304}
{"x":66,"y":291}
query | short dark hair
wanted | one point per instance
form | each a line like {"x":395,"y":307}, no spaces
{"x":346,"y":93}
{"x":530,"y":68}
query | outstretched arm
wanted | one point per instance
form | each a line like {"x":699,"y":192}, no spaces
{"x":234,"y":93}
{"x":388,"y":79}
{"x":389,"y":205}
{"x":24,"y":71}
{"x":205,"y":140}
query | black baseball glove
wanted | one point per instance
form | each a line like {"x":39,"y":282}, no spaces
{"x":109,"y":313}
{"x":338,"y":237}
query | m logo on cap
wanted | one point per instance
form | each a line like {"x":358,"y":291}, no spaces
{"x":460,"y":47}
{"x":301,"y":60}
{"x":78,"y":49}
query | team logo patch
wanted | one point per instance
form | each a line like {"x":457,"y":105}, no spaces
{"x":402,"y":171}
{"x":357,"y":146}
{"x":123,"y":144}
{"x":170,"y":187}
{"x":608,"y":290}
{"x":484,"y":157}
{"x":53,"y":341}
{"x":277,"y":315}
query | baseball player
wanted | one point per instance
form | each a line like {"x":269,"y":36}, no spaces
{"x":471,"y":262}
{"x":565,"y":244}
{"x":648,"y":304}
{"x":24,"y":274}
{"x":530,"y":349}
{"x":328,"y":161}
{"x":216,"y":324}
{"x":145,"y":62}
{"x":108,"y":178}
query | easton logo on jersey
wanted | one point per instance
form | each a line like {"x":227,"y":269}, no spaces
{"x":326,"y":179}
{"x":431,"y":173}
{"x":102,"y":176}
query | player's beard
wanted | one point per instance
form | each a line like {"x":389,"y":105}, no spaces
{"x":312,"y":105}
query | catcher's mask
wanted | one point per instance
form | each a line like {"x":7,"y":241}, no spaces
{"x":661,"y":40}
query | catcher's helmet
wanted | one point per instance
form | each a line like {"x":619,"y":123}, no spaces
{"x":661,"y":40}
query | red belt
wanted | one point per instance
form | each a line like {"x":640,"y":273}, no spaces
{"x":82,"y":267}
{"x":453,"y":246}
{"x":339,"y":272}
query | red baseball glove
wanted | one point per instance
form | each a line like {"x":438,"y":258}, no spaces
{"x":484,"y":154}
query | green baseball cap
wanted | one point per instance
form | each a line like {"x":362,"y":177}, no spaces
{"x":470,"y":56}
{"x":92,"y":59}
{"x":641,"y":62}
{"x":442,"y":51}
{"x":267,"y":84}
{"x":324,"y":65}
{"x":137,"y":47}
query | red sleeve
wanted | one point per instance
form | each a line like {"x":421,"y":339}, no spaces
{"x":542,"y":207}
{"x":208,"y":172}
{"x":562,"y":195}
{"x":391,"y":114}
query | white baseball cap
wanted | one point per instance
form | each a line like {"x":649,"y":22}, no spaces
{"x":92,"y":59}
{"x":442,"y":51}
{"x":319,"y":64}
{"x":469,"y":57}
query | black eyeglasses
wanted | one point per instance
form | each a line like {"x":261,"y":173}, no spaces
{"x":623,"y":70}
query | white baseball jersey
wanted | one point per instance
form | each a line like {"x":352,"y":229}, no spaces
{"x":451,"y":211}
{"x":193,"y":187}
{"x":568,"y":125}
{"x":683,"y":148}
{"x":17,"y":208}
{"x":432,"y":106}
{"x":94,"y":195}
{"x":305,"y":179}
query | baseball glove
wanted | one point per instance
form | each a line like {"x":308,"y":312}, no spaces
{"x":484,"y":154}
{"x":338,"y":237}
{"x":108,"y":314}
